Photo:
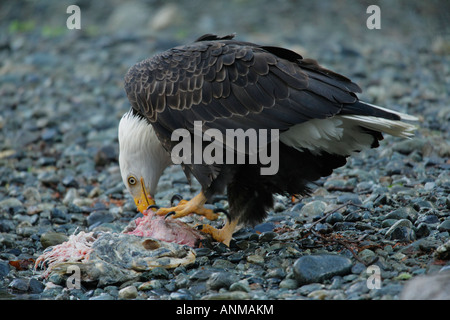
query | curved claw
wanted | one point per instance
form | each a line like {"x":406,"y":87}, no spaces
{"x":171,"y":213}
{"x":153,"y":206}
{"x":176,"y":196}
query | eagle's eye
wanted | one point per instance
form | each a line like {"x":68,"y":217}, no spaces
{"x":132,"y":181}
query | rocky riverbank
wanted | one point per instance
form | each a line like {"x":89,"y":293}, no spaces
{"x":369,"y":229}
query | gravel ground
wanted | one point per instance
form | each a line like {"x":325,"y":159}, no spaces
{"x":387,"y":212}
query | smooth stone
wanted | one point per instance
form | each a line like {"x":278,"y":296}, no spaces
{"x":313,"y":209}
{"x":49,"y":239}
{"x":35,"y":286}
{"x":97,"y":218}
{"x":402,"y":213}
{"x":19,"y":284}
{"x":317,"y":268}
{"x":241,"y":285}
{"x":221,"y":280}
{"x":443,"y":251}
{"x":349,"y":197}
{"x":444,"y":226}
{"x":10,"y":203}
{"x":430,"y":287}
{"x":288,"y":284}
{"x":256,"y":259}
{"x":128,"y":293}
{"x":232,"y":295}
{"x":401,"y":230}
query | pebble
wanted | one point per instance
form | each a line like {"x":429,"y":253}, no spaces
{"x":11,"y":205}
{"x":401,"y":230}
{"x":313,"y":209}
{"x":402,"y":213}
{"x":49,"y":239}
{"x":254,"y":258}
{"x":97,"y":218}
{"x":443,"y":251}
{"x":128,"y":293}
{"x":444,"y":226}
{"x":288,"y":284}
{"x":219,"y":280}
{"x":32,"y":285}
{"x":430,"y":287}
{"x":316,"y":268}
{"x":242,"y":286}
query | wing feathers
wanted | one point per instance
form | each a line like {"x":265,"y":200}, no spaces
{"x":241,"y":85}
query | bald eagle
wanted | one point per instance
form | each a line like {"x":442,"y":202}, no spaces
{"x":225,"y":84}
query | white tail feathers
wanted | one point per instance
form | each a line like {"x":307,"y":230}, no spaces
{"x":392,"y":127}
{"x":342,"y":134}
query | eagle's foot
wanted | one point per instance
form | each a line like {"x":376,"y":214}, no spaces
{"x":223,"y":235}
{"x":184,"y":207}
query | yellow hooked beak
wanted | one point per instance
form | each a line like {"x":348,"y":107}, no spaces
{"x":143,"y":198}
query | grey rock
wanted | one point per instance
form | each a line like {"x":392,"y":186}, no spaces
{"x":97,"y":218}
{"x":316,"y":268}
{"x":357,"y":289}
{"x":444,"y":226}
{"x":35,"y":286}
{"x":338,"y":185}
{"x":408,"y":146}
{"x":49,"y":239}
{"x":232,"y":295}
{"x":267,"y":236}
{"x":334,"y":217}
{"x":288,"y":284}
{"x":402,"y":213}
{"x":128,"y":293}
{"x":349,"y":197}
{"x":181,"y":295}
{"x":427,"y":218}
{"x":401,"y":230}
{"x":241,"y":285}
{"x":60,"y":214}
{"x":313,"y":209}
{"x":308,"y":288}
{"x":430,"y":287}
{"x":443,"y":251}
{"x":4,"y":268}
{"x":423,"y":230}
{"x":221,"y":280}
{"x":19,"y":284}
{"x":10,"y":204}
{"x":7,"y":225}
{"x":103,"y":296}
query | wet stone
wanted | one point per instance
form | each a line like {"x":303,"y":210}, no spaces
{"x":401,"y":230}
{"x":316,"y":268}
{"x":219,"y":280}
{"x":128,"y":293}
{"x":49,"y":239}
{"x":444,"y":226}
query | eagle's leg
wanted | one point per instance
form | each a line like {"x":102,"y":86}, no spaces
{"x":221,"y":235}
{"x":184,"y":207}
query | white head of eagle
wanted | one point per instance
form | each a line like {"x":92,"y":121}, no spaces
{"x":142,"y":159}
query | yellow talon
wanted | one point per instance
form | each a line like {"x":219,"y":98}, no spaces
{"x":223,"y":235}
{"x":184,"y":207}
